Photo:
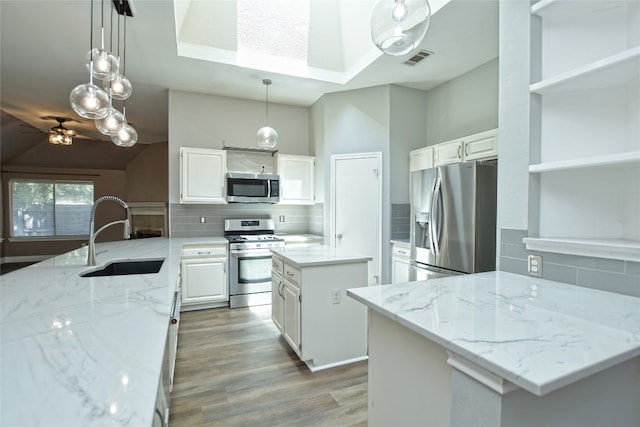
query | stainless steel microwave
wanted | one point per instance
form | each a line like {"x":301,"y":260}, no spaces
{"x":252,"y":188}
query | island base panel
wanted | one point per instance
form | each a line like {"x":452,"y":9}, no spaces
{"x":608,"y":398}
{"x":409,"y":378}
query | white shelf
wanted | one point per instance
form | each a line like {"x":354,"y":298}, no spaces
{"x":615,"y":70}
{"x":627,"y":250}
{"x":570,"y":9}
{"x":619,"y":159}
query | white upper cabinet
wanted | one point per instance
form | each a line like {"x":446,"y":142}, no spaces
{"x":202,"y":175}
{"x":420,"y":159}
{"x":447,"y":153}
{"x":585,"y":135}
{"x":481,"y":146}
{"x":297,"y":179}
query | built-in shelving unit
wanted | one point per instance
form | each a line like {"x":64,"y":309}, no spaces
{"x":585,"y":137}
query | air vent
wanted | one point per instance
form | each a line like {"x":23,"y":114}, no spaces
{"x":418,"y":57}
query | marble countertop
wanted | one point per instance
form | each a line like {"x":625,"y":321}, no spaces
{"x":86,"y":351}
{"x":319,"y":255}
{"x":538,"y":334}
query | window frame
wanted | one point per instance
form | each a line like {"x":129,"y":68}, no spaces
{"x":55,"y":237}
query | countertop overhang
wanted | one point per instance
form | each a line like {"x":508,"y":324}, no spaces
{"x":538,"y":334}
{"x":87,"y":351}
{"x":319,"y":255}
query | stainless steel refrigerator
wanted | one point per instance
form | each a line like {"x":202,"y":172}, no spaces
{"x":453,"y":226}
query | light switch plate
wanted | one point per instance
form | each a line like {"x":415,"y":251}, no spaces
{"x":534,"y":265}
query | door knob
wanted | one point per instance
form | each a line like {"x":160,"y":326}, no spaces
{"x":339,"y":236}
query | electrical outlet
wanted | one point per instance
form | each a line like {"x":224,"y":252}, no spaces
{"x":534,"y":265}
{"x":281,"y":218}
{"x":335,"y":296}
{"x":203,"y":220}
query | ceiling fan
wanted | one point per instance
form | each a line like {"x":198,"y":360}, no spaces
{"x":60,"y":135}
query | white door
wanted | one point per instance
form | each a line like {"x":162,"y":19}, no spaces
{"x":356,"y":207}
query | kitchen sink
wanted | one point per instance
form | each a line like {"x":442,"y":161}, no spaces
{"x":120,"y":268}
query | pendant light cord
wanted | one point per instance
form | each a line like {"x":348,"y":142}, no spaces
{"x":124,"y":41}
{"x":267,"y":104}
{"x":91,"y":45}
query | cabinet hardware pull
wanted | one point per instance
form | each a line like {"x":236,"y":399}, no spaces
{"x":459,"y":151}
{"x":466,"y":149}
{"x":290,"y":274}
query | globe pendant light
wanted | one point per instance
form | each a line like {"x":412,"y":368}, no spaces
{"x":112,"y":122}
{"x":88,"y":100}
{"x":399,"y":26}
{"x":120,"y":86}
{"x":102,"y":63}
{"x":127,"y":135}
{"x":267,"y":137}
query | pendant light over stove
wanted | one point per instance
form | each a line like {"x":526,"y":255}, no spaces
{"x":399,"y":26}
{"x":267,"y":137}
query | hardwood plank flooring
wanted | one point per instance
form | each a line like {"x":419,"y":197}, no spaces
{"x":234,"y":369}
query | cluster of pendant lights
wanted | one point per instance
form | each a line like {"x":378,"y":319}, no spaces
{"x":93,"y":102}
{"x":399,"y":26}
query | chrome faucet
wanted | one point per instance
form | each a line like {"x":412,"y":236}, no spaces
{"x":91,"y":257}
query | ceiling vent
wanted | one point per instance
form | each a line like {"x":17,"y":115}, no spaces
{"x":418,"y":57}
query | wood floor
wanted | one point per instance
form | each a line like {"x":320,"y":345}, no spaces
{"x":234,"y":369}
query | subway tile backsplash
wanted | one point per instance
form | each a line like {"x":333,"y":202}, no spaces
{"x":400,"y":216}
{"x":185,"y":219}
{"x":598,"y":273}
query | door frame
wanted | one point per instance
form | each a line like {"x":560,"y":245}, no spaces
{"x":332,"y":217}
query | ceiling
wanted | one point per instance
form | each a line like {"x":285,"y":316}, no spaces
{"x":43,"y":45}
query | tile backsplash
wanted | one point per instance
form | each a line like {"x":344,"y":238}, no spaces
{"x":400,"y":217}
{"x":185,"y":219}
{"x":605,"y":274}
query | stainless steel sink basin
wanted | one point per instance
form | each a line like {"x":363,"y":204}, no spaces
{"x":120,"y":268}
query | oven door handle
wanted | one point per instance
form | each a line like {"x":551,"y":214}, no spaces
{"x":251,"y":253}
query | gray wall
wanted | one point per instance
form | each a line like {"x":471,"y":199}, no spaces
{"x":463,"y":106}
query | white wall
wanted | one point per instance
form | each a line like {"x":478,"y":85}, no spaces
{"x":208,"y":121}
{"x":465,"y":105}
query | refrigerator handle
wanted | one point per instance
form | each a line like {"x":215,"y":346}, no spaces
{"x":433,"y":220}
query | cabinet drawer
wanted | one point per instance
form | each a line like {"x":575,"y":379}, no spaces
{"x":203,"y":251}
{"x":292,"y":274}
{"x":277,"y":265}
{"x":400,"y":251}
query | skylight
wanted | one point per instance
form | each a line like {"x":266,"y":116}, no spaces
{"x":278,"y":29}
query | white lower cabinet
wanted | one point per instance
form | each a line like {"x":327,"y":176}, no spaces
{"x":277,"y":294}
{"x":204,"y":275}
{"x":311,"y":310}
{"x":400,"y":262}
{"x":291,"y":324}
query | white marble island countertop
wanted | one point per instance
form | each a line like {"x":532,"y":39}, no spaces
{"x":538,"y":334}
{"x":318,"y":255}
{"x":86,"y":351}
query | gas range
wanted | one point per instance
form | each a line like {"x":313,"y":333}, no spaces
{"x":250,"y":260}
{"x":247,"y":234}
{"x":254,"y":241}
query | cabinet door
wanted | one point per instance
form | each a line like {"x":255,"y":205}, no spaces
{"x":399,"y":264}
{"x":292,"y":316}
{"x":297,"y":179}
{"x":204,"y":280}
{"x":481,"y":146}
{"x":421,"y":159}
{"x":277,"y":301}
{"x":447,"y":153}
{"x":202,"y":175}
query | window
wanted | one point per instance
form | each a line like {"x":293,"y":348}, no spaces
{"x":50,"y":208}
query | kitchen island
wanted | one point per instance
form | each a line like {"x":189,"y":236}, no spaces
{"x":499,"y":349}
{"x":87,"y":351}
{"x":310,"y":307}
